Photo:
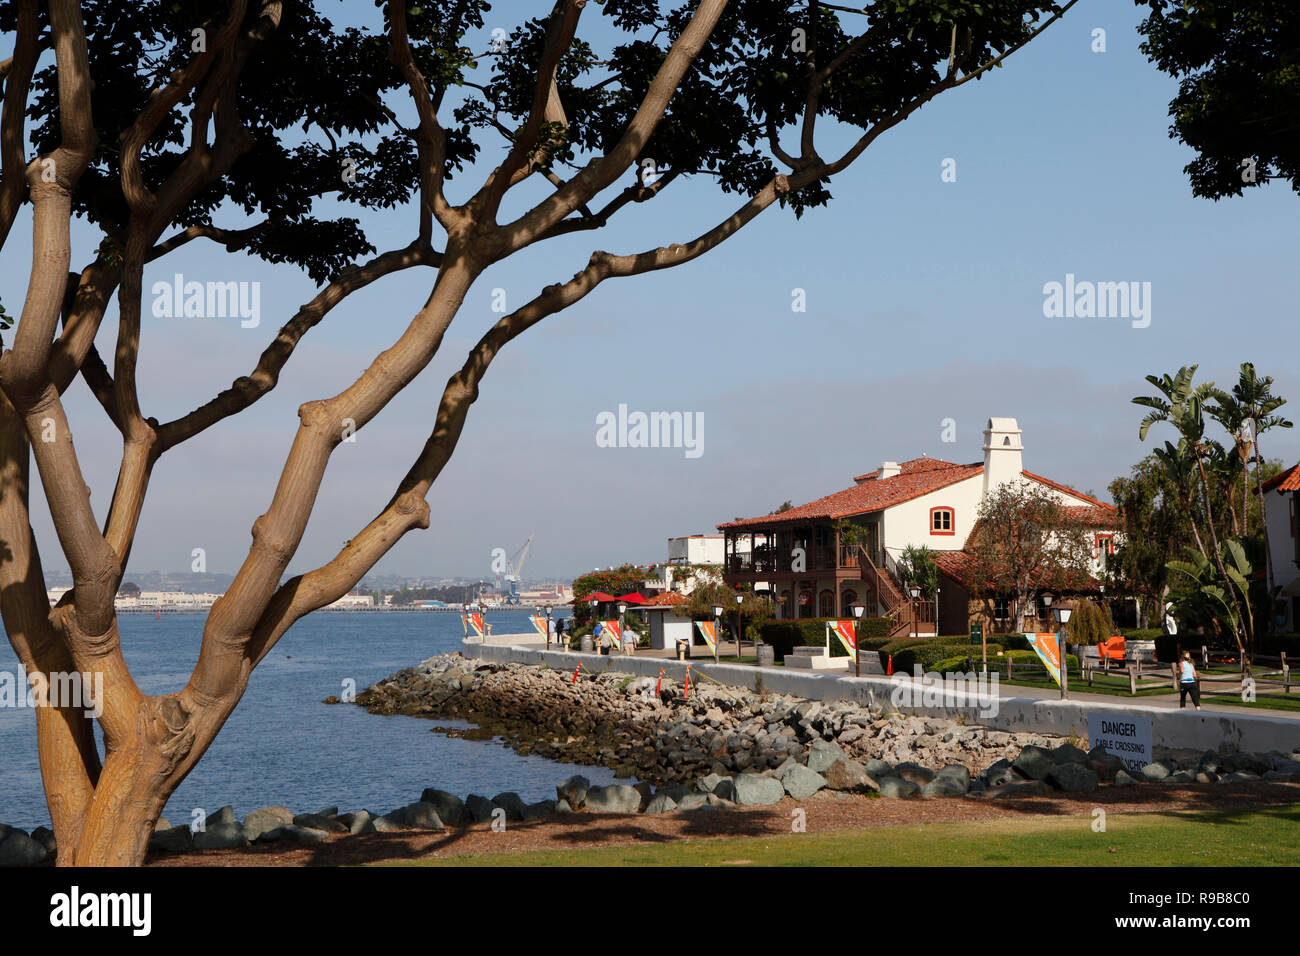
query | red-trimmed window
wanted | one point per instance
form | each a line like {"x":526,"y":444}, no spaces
{"x":1104,"y":542}
{"x":942,"y":521}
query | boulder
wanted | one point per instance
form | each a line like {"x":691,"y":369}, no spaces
{"x":823,"y":754}
{"x":225,"y":815}
{"x":451,"y":808}
{"x":361,"y":822}
{"x":291,"y":833}
{"x":1210,"y":762}
{"x":314,"y":821}
{"x":1125,"y":779}
{"x":539,"y":810}
{"x":1072,"y":777}
{"x":1256,"y":764}
{"x":660,"y":803}
{"x":480,"y":808}
{"x":417,"y":816}
{"x":382,"y":824}
{"x":1278,"y":776}
{"x":725,"y":790}
{"x":220,"y":836}
{"x":850,"y":775}
{"x":562,"y":806}
{"x":645,"y":789}
{"x":756,"y":790}
{"x":999,"y":774}
{"x":707,"y":783}
{"x":898,"y":787}
{"x":877,"y":769}
{"x":801,"y":783}
{"x":1181,"y":776}
{"x":703,"y":801}
{"x":914,"y":772}
{"x":18,"y":849}
{"x":171,"y":840}
{"x":1155,"y":771}
{"x":1034,"y":763}
{"x":946,"y":786}
{"x":1239,"y":776}
{"x":511,"y":803}
{"x":268,"y":818}
{"x":674,"y":790}
{"x":616,"y":798}
{"x":45,"y":837}
{"x":956,"y":771}
{"x":1069,"y":753}
{"x":574,"y":790}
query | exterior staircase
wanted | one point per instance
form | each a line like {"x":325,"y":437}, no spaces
{"x":905,"y":614}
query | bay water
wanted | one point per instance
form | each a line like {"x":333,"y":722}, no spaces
{"x":282,"y":746}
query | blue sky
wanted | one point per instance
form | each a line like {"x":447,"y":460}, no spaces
{"x":924,"y":302}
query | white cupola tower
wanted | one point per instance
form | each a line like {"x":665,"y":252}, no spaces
{"x":1002,"y":453}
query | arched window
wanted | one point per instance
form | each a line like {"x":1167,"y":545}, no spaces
{"x":826,"y":604}
{"x":942,"y":521}
{"x":847,"y":600}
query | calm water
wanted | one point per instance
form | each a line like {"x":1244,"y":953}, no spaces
{"x":282,"y":746}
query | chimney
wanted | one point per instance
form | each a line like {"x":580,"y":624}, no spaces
{"x":1002,"y":453}
{"x":888,"y":469}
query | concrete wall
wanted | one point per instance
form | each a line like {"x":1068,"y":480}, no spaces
{"x":1203,"y":730}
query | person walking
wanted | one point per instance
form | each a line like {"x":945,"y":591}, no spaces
{"x":601,"y":638}
{"x":559,"y":631}
{"x":1188,"y":682}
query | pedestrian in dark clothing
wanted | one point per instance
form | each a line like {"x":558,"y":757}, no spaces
{"x":1188,"y":682}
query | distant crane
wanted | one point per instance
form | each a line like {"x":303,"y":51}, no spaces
{"x":514,"y":568}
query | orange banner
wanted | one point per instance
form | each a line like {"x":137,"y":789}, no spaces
{"x":1048,"y":650}
{"x":615,"y":634}
{"x":539,"y":623}
{"x":847,"y":634}
{"x":708,"y":630}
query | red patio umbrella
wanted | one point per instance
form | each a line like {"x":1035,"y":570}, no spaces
{"x":632,"y":598}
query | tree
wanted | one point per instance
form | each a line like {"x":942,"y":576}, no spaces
{"x":1154,"y":503}
{"x":1025,"y":541}
{"x":186,"y":117}
{"x":129,"y":589}
{"x":917,"y":567}
{"x":1238,"y":92}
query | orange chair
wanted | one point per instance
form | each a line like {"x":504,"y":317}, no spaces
{"x":1112,"y":648}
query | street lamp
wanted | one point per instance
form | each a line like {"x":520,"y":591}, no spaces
{"x":1062,"y":619}
{"x":740,"y":599}
{"x":857,"y":607}
{"x":622,"y":634}
{"x":916,"y":593}
{"x":547,"y":609}
{"x":717,"y":620}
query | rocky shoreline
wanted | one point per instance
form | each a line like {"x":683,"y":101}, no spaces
{"x":720,"y":748}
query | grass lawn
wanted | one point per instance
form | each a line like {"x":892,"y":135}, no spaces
{"x":1266,"y":703}
{"x":1115,"y":687}
{"x":1268,"y":836}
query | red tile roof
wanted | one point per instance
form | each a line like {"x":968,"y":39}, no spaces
{"x":1067,"y":489}
{"x":955,"y":564}
{"x":960,"y":567}
{"x":916,"y":465}
{"x":1094,"y":516}
{"x":1289,"y":480}
{"x":666,"y":599}
{"x":917,"y":477}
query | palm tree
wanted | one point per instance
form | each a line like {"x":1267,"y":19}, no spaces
{"x":1252,"y":404}
{"x":1182,"y":405}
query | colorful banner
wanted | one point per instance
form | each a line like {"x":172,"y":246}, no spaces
{"x":846,"y":632}
{"x":539,"y":623}
{"x":473,"y":623}
{"x":612,"y":629}
{"x":708,"y":631}
{"x":1046,"y":647}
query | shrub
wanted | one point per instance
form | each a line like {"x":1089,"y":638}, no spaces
{"x":1020,"y":658}
{"x":1089,"y":624}
{"x":928,"y":655}
{"x":785,"y":635}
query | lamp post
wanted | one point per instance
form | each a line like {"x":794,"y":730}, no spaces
{"x":1062,"y":619}
{"x":717,"y":621}
{"x":916,"y":593}
{"x":857,"y":607}
{"x":740,"y":599}
{"x":622,"y":634}
{"x":547,"y":609}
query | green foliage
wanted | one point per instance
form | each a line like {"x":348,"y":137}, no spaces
{"x":929,"y":654}
{"x":612,"y":581}
{"x":917,"y":567}
{"x":1089,"y":624}
{"x":1026,"y":541}
{"x":1238,"y":92}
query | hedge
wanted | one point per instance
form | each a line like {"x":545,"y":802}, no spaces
{"x":928,"y":655}
{"x":1270,"y":645}
{"x":786,"y":635}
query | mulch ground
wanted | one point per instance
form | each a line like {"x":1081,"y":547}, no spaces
{"x":825,"y":810}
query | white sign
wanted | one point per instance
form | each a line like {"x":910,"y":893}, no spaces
{"x":1128,"y":738}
